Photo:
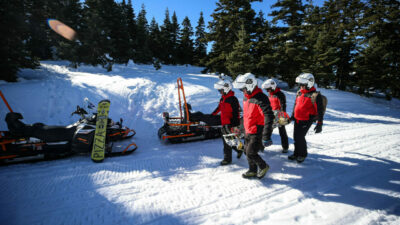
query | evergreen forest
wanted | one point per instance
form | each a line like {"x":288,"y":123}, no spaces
{"x":351,"y":45}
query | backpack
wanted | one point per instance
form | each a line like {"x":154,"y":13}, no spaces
{"x":324,"y":101}
{"x":314,"y":100}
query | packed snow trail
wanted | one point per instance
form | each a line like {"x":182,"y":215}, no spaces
{"x":351,"y":176}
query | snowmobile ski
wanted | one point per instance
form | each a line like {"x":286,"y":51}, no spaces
{"x":128,"y":150}
{"x":99,"y":142}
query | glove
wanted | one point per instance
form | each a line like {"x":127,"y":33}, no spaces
{"x":292,"y":118}
{"x":267,"y":143}
{"x":318,"y":128}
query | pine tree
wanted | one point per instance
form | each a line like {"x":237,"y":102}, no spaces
{"x":69,"y":13}
{"x":263,"y":51}
{"x":143,"y":53}
{"x":318,"y":47}
{"x":175,"y":28}
{"x":336,"y":47}
{"x":185,"y":49}
{"x":14,"y":54}
{"x":39,"y":42}
{"x":226,"y":24}
{"x":200,"y":44}
{"x":379,"y":61}
{"x":239,"y":60}
{"x":97,"y":26}
{"x":290,"y":52}
{"x":130,"y":17}
{"x":261,"y":26}
{"x":166,"y":38}
{"x":155,"y":45}
{"x":120,"y":36}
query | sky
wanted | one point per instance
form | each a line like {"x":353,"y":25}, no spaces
{"x":192,"y":9}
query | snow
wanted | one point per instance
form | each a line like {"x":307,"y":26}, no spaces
{"x":351,"y":176}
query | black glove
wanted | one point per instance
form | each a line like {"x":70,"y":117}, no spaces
{"x":318,"y":128}
{"x":292,"y":118}
{"x":267,"y":143}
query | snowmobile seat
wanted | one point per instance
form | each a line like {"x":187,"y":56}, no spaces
{"x":38,"y":130}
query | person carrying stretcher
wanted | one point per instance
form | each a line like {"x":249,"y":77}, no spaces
{"x":229,"y":109}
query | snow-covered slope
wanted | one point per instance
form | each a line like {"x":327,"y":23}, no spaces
{"x":351,"y":176}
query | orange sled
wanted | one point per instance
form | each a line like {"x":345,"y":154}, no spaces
{"x":183,"y":128}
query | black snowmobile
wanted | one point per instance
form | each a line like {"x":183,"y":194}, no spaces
{"x":189,"y":126}
{"x":39,"y":141}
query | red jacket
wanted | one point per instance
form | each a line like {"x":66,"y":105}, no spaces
{"x":257,"y":114}
{"x":304,"y":109}
{"x":277,"y":100}
{"x":229,"y":108}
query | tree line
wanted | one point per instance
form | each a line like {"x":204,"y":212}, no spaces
{"x":350,"y":45}
{"x":109,"y":32}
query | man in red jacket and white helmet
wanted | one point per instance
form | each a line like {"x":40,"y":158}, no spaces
{"x":304,"y":114}
{"x":257,"y":121}
{"x":229,"y":108}
{"x":278,"y":103}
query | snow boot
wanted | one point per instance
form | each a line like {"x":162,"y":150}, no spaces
{"x":225,"y":162}
{"x":300,"y":159}
{"x":285,"y":150}
{"x":292,"y":157}
{"x":249,"y":174}
{"x":239,"y":154}
{"x":262,"y":172}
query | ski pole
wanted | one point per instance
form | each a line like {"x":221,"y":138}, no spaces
{"x":5,"y":101}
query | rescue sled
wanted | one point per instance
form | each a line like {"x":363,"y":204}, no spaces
{"x":26,"y":142}
{"x":281,"y":118}
{"x":188,"y":126}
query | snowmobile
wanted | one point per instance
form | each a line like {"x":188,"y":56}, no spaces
{"x":26,"y":142}
{"x":188,"y":126}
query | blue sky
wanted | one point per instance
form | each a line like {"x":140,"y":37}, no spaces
{"x":191,"y":9}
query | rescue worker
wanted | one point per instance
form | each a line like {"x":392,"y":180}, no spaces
{"x":257,"y":120}
{"x":304,"y":114}
{"x":278,"y":103}
{"x":230,"y":117}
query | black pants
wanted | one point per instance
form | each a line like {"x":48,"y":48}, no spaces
{"x":284,"y":137}
{"x":301,"y":128}
{"x":253,"y":143}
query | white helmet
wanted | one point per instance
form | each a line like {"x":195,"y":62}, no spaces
{"x":224,"y":85}
{"x":269,"y":84}
{"x":305,"y":79}
{"x":247,"y":81}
